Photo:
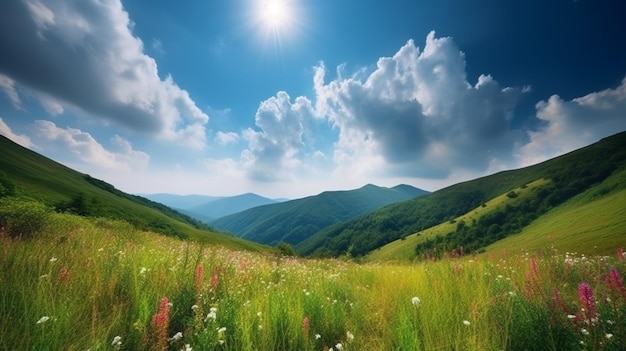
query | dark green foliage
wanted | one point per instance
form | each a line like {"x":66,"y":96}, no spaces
{"x":285,"y":249}
{"x":511,"y":194}
{"x":7,"y":187}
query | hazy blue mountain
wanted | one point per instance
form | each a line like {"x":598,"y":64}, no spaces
{"x":229,"y":205}
{"x":183,"y":202}
{"x":294,"y":221}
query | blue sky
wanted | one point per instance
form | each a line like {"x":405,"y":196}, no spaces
{"x":292,"y":98}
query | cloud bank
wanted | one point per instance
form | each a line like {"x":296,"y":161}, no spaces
{"x":83,"y":55}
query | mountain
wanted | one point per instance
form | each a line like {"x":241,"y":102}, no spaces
{"x":229,"y":205}
{"x":295,"y":220}
{"x":183,"y":202}
{"x":29,"y":175}
{"x":564,"y":178}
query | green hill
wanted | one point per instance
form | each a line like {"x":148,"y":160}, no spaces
{"x":566,"y":176}
{"x":294,"y":221}
{"x":27,"y":174}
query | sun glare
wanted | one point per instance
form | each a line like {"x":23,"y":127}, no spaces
{"x":276,"y":20}
{"x":275,"y":13}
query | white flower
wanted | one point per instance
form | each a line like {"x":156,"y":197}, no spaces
{"x":466,"y":322}
{"x":571,"y":316}
{"x":339,"y":346}
{"x":608,"y":335}
{"x":221,"y":330}
{"x":142,"y":270}
{"x":177,"y":336}
{"x":186,"y":348}
{"x":53,"y":259}
{"x":195,"y":307}
{"x":43,"y":319}
{"x":212,"y":314}
{"x":415,"y":301}
{"x":317,"y":336}
{"x":349,"y":336}
{"x":117,"y":341}
{"x":584,"y":331}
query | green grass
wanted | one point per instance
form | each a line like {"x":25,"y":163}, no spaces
{"x":98,"y":279}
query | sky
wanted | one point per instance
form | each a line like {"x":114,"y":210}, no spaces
{"x":289,"y":98}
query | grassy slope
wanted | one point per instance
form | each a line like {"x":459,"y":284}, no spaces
{"x":593,"y":223}
{"x":405,"y":249}
{"x":49,"y":182}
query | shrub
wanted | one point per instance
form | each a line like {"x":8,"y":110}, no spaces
{"x":22,"y":217}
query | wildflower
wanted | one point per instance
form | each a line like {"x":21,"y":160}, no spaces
{"x":117,"y":342}
{"x":571,"y":316}
{"x":339,"y":346}
{"x":415,"y":301}
{"x":317,"y":336}
{"x":466,"y":322}
{"x":160,"y":323}
{"x":212,"y":314}
{"x":587,"y":300}
{"x":608,"y":335}
{"x":53,"y":259}
{"x":305,"y":326}
{"x":177,"y":336}
{"x":198,"y":278}
{"x":349,"y":336}
{"x":584,"y":331}
{"x":195,"y":307}
{"x":221,"y":330}
{"x":43,"y":319}
{"x":143,"y":270}
{"x":186,"y":348}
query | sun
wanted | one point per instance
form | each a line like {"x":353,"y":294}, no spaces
{"x":275,"y":13}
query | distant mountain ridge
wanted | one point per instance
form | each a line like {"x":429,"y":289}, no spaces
{"x":229,"y":205}
{"x":208,"y":208}
{"x":294,"y":221}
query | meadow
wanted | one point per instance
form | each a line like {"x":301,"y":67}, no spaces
{"x":76,"y":283}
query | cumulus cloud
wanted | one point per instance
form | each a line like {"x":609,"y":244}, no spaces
{"x":16,"y":138}
{"x":83,"y":54}
{"x":274,"y":149}
{"x":223,"y":138}
{"x":73,"y":144}
{"x":417,"y":115}
{"x":568,"y":125}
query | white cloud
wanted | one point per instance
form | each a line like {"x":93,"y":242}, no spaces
{"x":88,"y":58}
{"x":569,"y":125}
{"x":274,"y":151}
{"x":17,"y":138}
{"x":79,"y":149}
{"x":416,"y":114}
{"x":226,"y":138}
{"x":7,"y":85}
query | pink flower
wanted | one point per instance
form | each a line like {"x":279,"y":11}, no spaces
{"x":160,"y":324}
{"x":587,"y":300}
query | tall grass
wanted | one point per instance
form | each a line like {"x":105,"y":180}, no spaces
{"x":79,"y":284}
